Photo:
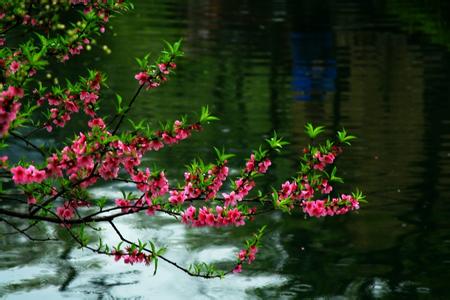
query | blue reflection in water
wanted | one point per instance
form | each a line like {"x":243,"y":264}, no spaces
{"x":313,"y":65}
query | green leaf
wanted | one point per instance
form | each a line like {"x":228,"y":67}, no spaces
{"x":344,"y":138}
{"x":101,"y":202}
{"x":222,"y":156}
{"x":312,"y":131}
{"x":155,"y":261}
{"x":205,"y":116}
{"x":276,"y":143}
{"x":119,"y":103}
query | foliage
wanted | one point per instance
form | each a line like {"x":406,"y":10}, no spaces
{"x":56,"y":190}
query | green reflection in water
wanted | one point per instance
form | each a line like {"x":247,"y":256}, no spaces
{"x":246,"y":59}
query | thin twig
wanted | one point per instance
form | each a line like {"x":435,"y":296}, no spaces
{"x":23,"y":232}
{"x":27,"y":142}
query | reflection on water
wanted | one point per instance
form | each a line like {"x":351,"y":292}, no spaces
{"x":265,"y":65}
{"x":313,"y":65}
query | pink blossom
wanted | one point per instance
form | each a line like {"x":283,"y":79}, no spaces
{"x":19,"y":175}
{"x":252,"y":254}
{"x":163,"y":68}
{"x":207,"y":217}
{"x":14,"y":66}
{"x":242,"y":255}
{"x":124,"y":204}
{"x":71,"y":106}
{"x":191,"y":192}
{"x":66,"y":211}
{"x":237,"y":268}
{"x":142,"y":77}
{"x":32,"y":72}
{"x":177,"y":197}
{"x":159,"y":186}
{"x":97,"y":122}
{"x":327,"y":159}
{"x":168,"y":139}
{"x":230,"y":199}
{"x":88,"y":97}
{"x":315,"y":208}
{"x":156,"y":145}
{"x":31,"y":200}
{"x":264,"y":165}
{"x":12,"y":92}
{"x":152,"y":210}
{"x":326,"y":188}
{"x":320,"y":166}
{"x":307,"y":192}
{"x":250,"y":165}
{"x":287,"y":189}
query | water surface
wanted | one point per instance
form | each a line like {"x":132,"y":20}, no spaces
{"x":379,"y":68}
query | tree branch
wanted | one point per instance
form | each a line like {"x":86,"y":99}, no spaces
{"x":27,"y":142}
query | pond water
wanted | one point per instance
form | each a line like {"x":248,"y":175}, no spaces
{"x":381,"y":69}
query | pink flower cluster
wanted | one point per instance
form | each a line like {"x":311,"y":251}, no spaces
{"x":159,"y":186}
{"x":103,"y":17}
{"x":324,"y":159}
{"x":152,"y":186}
{"x":245,"y":184}
{"x":14,"y":66}
{"x":28,"y":175}
{"x":207,"y":217}
{"x":127,"y":205}
{"x":215,"y":178}
{"x":325,"y":187}
{"x":29,"y":20}
{"x":132,"y":256}
{"x":179,"y":133}
{"x":243,"y":187}
{"x":248,"y":255}
{"x":154,"y":78}
{"x":8,"y":107}
{"x":62,"y":107}
{"x":130,"y":206}
{"x":290,"y":190}
{"x":75,"y":2}
{"x":336,"y":206}
{"x":177,"y":197}
{"x":219,"y":175}
{"x":304,"y":192}
{"x":260,"y":167}
{"x":65,"y":212}
{"x":79,"y":159}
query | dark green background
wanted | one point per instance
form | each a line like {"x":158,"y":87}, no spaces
{"x":381,"y":69}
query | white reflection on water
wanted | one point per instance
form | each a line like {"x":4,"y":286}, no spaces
{"x":24,"y":273}
{"x":99,"y":276}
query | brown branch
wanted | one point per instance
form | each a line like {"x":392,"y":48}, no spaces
{"x":23,"y":232}
{"x":122,"y":238}
{"x":127,"y":109}
{"x":28,"y":143}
